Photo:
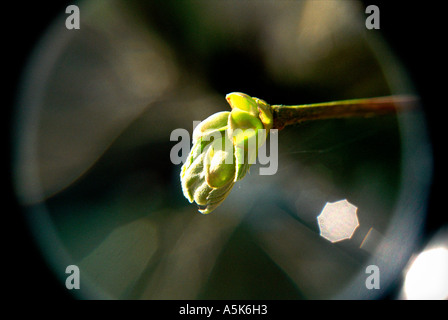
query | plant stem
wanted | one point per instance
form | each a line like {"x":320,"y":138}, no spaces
{"x":288,"y":115}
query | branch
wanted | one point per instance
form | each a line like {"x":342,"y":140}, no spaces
{"x":288,"y":115}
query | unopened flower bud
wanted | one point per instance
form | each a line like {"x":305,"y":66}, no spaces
{"x":220,"y":163}
{"x":214,"y":124}
{"x":224,"y":146}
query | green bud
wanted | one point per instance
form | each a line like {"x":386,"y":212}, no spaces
{"x":243,"y":126}
{"x":220,"y":164}
{"x":213,"y":124}
{"x":208,"y":174}
{"x":192,"y":173}
{"x":265,"y":114}
{"x":224,"y":147}
{"x":243,"y":102}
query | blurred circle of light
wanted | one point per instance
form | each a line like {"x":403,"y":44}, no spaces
{"x":338,"y":221}
{"x":427,"y":278}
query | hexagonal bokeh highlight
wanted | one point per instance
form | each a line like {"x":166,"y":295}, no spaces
{"x":338,"y":220}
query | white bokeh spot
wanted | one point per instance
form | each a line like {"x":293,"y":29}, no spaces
{"x":338,"y":221}
{"x":427,"y":278}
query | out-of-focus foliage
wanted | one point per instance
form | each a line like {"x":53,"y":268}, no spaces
{"x":97,"y":148}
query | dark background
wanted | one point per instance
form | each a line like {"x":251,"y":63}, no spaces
{"x":413,"y":30}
